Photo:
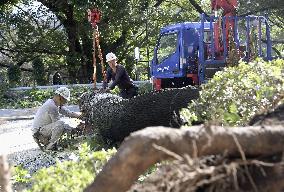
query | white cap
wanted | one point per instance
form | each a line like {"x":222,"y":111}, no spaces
{"x":110,"y":56}
{"x":64,"y":92}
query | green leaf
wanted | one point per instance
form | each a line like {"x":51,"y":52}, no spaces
{"x":233,"y":108}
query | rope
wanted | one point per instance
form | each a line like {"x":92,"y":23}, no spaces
{"x":100,"y":52}
{"x":94,"y":17}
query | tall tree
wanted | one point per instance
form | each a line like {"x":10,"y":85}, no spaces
{"x":38,"y":71}
{"x":28,"y":33}
{"x":123,"y":26}
{"x":58,"y":31}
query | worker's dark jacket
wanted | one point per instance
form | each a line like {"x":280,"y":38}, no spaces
{"x":122,"y":80}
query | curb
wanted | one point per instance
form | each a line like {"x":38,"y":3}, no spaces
{"x":13,"y":118}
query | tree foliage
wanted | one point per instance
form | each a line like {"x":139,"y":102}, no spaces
{"x":59,"y":33}
{"x":7,"y":4}
{"x":14,"y":75}
{"x":28,"y":33}
{"x":73,"y":173}
{"x":38,"y":71}
{"x":234,"y":95}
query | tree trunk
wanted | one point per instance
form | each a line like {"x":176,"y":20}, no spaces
{"x":115,"y":118}
{"x":73,"y":44}
{"x":138,"y":151}
{"x":65,"y":13}
{"x":5,"y":185}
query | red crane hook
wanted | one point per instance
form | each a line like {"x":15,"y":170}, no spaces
{"x":94,"y":16}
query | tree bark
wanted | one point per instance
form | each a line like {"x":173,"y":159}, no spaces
{"x":5,"y":185}
{"x":74,"y":47}
{"x":138,"y":151}
{"x":115,"y":118}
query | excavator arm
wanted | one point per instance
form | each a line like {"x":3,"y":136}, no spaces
{"x":229,"y":8}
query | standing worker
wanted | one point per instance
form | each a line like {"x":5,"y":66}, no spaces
{"x":57,"y":79}
{"x":119,"y":77}
{"x":47,"y":126}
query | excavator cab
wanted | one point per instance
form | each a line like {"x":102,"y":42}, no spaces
{"x":175,"y":55}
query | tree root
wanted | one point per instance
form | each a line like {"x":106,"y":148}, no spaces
{"x":139,"y":151}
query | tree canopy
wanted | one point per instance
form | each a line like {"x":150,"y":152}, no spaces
{"x":58,"y":32}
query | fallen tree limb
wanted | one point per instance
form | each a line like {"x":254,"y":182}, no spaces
{"x":275,"y":117}
{"x":115,"y":118}
{"x":137,"y":152}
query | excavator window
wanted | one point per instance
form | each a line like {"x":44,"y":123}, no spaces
{"x":167,"y":46}
{"x":207,"y":36}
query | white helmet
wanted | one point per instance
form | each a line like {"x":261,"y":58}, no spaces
{"x":110,"y":56}
{"x":64,"y":92}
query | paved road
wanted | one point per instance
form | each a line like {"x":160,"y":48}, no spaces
{"x":16,"y":136}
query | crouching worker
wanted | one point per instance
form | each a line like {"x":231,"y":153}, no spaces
{"x":47,"y":126}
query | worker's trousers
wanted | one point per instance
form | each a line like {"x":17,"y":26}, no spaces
{"x":52,"y":132}
{"x":129,"y":93}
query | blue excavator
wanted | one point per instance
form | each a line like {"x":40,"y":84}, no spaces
{"x":190,"y":53}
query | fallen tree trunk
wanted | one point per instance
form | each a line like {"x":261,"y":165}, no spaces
{"x":115,"y":118}
{"x":5,"y":185}
{"x":274,"y":117}
{"x":140,"y":150}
